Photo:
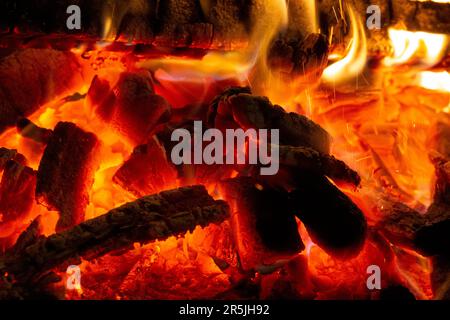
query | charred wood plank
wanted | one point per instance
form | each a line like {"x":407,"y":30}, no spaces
{"x":154,"y":217}
{"x":66,"y":172}
{"x":30,"y":78}
{"x":333,"y":221}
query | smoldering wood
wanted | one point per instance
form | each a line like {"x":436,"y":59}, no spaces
{"x":28,"y":129}
{"x":425,"y":233}
{"x":400,"y":223}
{"x":307,"y":160}
{"x":264,"y":225}
{"x":30,"y":78}
{"x":131,"y":107}
{"x":220,"y":23}
{"x":306,"y":57}
{"x":5,"y":155}
{"x":66,"y":172}
{"x":148,"y":170}
{"x":440,"y":277}
{"x":333,"y":221}
{"x":16,"y":191}
{"x":150,"y":218}
{"x":253,"y":112}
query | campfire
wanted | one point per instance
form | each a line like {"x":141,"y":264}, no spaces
{"x":349,"y":200}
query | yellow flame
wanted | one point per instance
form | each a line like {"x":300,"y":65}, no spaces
{"x":428,"y":47}
{"x":439,"y":81}
{"x":355,"y":60}
{"x":221,"y":65}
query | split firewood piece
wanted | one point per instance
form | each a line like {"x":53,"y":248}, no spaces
{"x":331,"y":218}
{"x":249,"y":111}
{"x":30,"y":78}
{"x":154,"y":217}
{"x":147,"y":171}
{"x":17,"y":189}
{"x":131,"y":107}
{"x":29,"y":130}
{"x":66,"y":173}
{"x":264,"y":227}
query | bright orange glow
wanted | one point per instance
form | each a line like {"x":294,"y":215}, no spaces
{"x":355,"y":59}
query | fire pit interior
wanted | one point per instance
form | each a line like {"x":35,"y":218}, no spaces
{"x":93,"y":205}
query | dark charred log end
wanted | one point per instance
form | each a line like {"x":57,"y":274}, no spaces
{"x":265,"y":228}
{"x":333,"y":221}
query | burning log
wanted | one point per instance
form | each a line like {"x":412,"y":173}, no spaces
{"x":29,"y":130}
{"x":249,"y":111}
{"x":333,"y":221}
{"x":30,"y":78}
{"x":150,"y":218}
{"x":16,"y":191}
{"x":265,"y":228}
{"x":425,"y":233}
{"x":400,"y":224}
{"x":66,"y":172}
{"x":147,"y":171}
{"x":131,"y":107}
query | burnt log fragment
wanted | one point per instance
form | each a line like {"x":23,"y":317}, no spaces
{"x":17,"y":189}
{"x":331,"y":218}
{"x":30,"y":78}
{"x":248,"y":111}
{"x":147,"y":219}
{"x":131,"y":107}
{"x":66,"y":173}
{"x":440,"y":277}
{"x":400,"y":223}
{"x":5,"y":155}
{"x":147,"y":171}
{"x":298,"y":57}
{"x":28,"y":129}
{"x":264,"y":227}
